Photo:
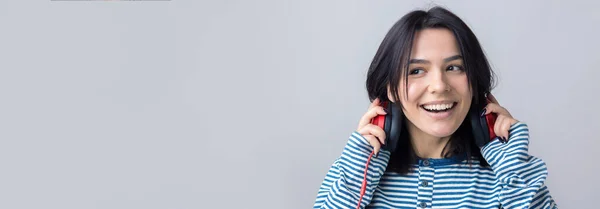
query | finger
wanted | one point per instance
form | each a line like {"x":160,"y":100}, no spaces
{"x":498,"y":126}
{"x":377,"y":132}
{"x":495,"y":108}
{"x":374,"y":103}
{"x":505,"y":127}
{"x":372,"y":139}
{"x":374,"y":143}
{"x":493,"y":98}
{"x":369,"y":115}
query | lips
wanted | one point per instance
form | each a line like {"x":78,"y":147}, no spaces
{"x":438,"y":106}
{"x":441,"y":114}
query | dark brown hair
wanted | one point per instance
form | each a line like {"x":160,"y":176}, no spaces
{"x":391,"y":62}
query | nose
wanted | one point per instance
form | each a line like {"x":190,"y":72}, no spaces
{"x":438,"y":82}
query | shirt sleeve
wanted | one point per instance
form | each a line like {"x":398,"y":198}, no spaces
{"x":522,"y":176}
{"x":342,"y":184}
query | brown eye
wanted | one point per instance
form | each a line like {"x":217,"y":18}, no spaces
{"x":416,"y":71}
{"x":455,"y":68}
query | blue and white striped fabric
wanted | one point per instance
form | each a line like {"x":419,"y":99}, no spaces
{"x":514,"y":179}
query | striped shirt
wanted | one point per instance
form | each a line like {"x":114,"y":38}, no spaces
{"x":514,"y":179}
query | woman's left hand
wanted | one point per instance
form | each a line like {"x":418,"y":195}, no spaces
{"x":504,"y":120}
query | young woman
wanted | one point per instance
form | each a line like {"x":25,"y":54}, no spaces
{"x":432,"y":67}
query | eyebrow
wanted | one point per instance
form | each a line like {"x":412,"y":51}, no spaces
{"x":422,"y":61}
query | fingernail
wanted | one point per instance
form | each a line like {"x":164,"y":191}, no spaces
{"x":483,"y":112}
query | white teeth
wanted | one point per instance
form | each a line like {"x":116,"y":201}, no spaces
{"x":438,"y":106}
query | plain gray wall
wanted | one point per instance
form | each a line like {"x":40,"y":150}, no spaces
{"x":245,"y":104}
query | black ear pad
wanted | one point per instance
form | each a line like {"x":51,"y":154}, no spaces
{"x":479,"y":125}
{"x":392,"y":127}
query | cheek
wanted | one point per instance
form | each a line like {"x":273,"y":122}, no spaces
{"x":461,"y":85}
{"x":414,"y":91}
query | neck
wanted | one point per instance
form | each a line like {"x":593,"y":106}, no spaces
{"x":427,"y":146}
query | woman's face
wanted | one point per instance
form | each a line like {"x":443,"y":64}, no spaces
{"x":439,"y":95}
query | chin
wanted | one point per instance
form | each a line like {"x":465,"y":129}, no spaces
{"x":442,"y":130}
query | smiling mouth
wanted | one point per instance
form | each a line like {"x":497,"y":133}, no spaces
{"x":436,"y":108}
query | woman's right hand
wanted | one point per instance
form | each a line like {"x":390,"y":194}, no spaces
{"x":373,"y":133}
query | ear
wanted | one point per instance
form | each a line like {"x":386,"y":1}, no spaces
{"x":389,"y":94}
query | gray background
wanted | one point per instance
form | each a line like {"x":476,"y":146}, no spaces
{"x":245,"y":104}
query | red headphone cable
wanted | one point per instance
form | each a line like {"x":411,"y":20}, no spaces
{"x":364,"y":183}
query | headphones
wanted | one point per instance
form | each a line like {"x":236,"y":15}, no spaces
{"x":482,"y":126}
{"x":391,"y":123}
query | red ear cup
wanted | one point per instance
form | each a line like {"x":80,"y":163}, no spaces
{"x":379,"y":120}
{"x":491,"y":120}
{"x":391,"y":123}
{"x":482,"y":126}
